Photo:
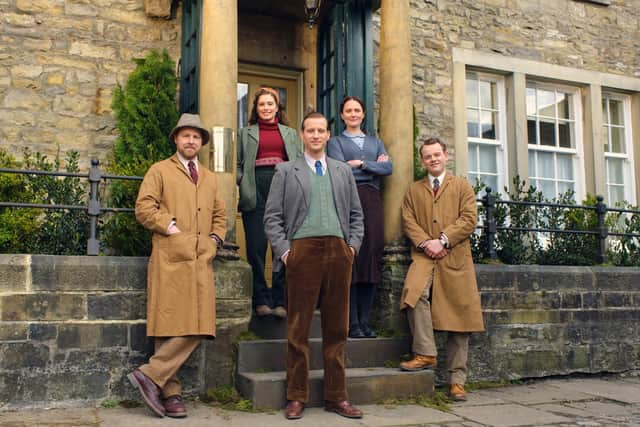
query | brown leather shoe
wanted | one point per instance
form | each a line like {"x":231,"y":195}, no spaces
{"x":343,"y":408}
{"x":294,"y":410}
{"x":263,"y":310}
{"x":174,"y":407}
{"x":149,"y":390}
{"x":419,"y":363}
{"x":457,"y":393}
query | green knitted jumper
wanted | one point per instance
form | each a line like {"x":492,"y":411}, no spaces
{"x":322,"y":218}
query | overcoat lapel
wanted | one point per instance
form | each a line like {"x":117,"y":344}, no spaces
{"x":301,"y":174}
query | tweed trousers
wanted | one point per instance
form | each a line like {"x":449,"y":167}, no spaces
{"x":318,"y":271}
{"x":424,"y":342}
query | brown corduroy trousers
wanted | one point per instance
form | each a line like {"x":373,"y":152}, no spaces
{"x":318,"y":269}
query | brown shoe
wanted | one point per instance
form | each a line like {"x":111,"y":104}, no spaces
{"x":343,"y":408}
{"x":419,"y":363}
{"x":149,"y":390}
{"x":263,"y":310}
{"x":279,"y":311}
{"x":174,"y":407}
{"x":457,"y":393}
{"x":294,"y":410}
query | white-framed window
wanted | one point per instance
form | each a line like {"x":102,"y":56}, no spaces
{"x":554,"y":133}
{"x":486,"y":129}
{"x":618,"y":152}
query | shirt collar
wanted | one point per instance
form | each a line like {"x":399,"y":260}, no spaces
{"x":353,"y":135}
{"x":440,"y":178}
{"x":185,"y":162}
{"x":312,"y":162}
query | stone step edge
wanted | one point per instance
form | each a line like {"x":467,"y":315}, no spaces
{"x":375,"y":371}
{"x":319,"y":339}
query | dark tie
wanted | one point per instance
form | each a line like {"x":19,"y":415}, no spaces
{"x":318,"y":168}
{"x":193,"y":172}
{"x":436,"y":186}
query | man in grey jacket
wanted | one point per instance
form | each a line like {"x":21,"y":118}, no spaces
{"x":314,"y":222}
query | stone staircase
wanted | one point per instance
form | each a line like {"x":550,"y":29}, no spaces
{"x":372,"y":373}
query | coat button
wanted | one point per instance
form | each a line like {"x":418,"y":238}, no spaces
{"x":435,"y":221}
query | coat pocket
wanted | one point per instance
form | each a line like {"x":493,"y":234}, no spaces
{"x":181,"y":247}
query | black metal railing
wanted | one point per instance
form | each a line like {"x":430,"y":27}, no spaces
{"x":94,"y":207}
{"x":490,"y":228}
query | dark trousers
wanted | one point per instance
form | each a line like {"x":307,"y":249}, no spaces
{"x":360,"y":303}
{"x":318,"y":269}
{"x":256,"y":242}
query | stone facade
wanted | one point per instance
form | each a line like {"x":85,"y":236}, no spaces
{"x":59,"y":64}
{"x":71,"y":328}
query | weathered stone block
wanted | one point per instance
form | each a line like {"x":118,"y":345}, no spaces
{"x":233,"y":309}
{"x":570,"y":299}
{"x":618,"y":299}
{"x":25,"y":98}
{"x":158,"y":8}
{"x":42,"y":331}
{"x":23,"y":355}
{"x":138,"y":340}
{"x":113,"y":335}
{"x":617,"y":278}
{"x":13,"y":331}
{"x":233,"y":279}
{"x":81,"y":9}
{"x":52,"y":7}
{"x":82,"y":335}
{"x":89,"y":50}
{"x":86,"y":385}
{"x":10,"y":391}
{"x":43,"y":306}
{"x":592,"y":300}
{"x":14,"y":272}
{"x":117,"y":306}
{"x":219,"y":355}
{"x":51,"y":273}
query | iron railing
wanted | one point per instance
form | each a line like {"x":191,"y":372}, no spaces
{"x":490,"y":229}
{"x":94,"y":208}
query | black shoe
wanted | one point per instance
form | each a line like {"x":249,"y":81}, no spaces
{"x":368,"y":332}
{"x":356,"y":332}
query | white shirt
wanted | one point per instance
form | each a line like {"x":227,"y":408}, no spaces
{"x":312,"y":163}
{"x":440,"y":178}
{"x":185,"y":162}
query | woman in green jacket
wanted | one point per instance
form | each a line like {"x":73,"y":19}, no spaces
{"x":263,"y":144}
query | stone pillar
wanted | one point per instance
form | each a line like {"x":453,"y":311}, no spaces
{"x":218,"y":83}
{"x":396,"y":110}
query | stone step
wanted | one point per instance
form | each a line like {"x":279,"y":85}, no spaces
{"x":270,"y":355}
{"x":364,"y":386}
{"x":273,"y":328}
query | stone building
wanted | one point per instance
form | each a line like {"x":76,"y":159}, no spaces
{"x":547,"y":90}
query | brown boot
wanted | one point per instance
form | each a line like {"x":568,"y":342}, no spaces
{"x":419,"y":363}
{"x":457,"y":393}
{"x":174,"y":407}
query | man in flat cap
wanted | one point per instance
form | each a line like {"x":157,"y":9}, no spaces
{"x":180,"y":202}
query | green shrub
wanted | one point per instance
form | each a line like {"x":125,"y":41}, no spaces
{"x":145,"y":112}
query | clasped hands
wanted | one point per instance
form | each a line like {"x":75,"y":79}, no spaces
{"x":434,"y":249}
{"x":356,"y":163}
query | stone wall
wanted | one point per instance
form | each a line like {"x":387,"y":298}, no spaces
{"x":540,"y":320}
{"x":571,"y":33}
{"x":59,"y":63}
{"x":71,"y":328}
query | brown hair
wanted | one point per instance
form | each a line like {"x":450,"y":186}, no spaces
{"x":431,"y":141}
{"x":356,"y":99}
{"x":280,"y":114}
{"x":313,"y":115}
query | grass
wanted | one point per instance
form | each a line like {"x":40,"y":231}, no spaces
{"x":227,"y":397}
{"x":438,"y":401}
{"x":490,"y":384}
{"x":114,"y":403}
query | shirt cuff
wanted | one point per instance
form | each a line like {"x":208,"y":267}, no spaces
{"x":284,"y":255}
{"x":172,"y":223}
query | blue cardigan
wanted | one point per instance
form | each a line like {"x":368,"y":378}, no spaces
{"x":342,"y":148}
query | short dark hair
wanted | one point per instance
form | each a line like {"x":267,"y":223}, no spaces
{"x":431,"y":141}
{"x":314,"y":115}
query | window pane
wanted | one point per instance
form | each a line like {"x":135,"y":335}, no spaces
{"x":488,"y":125}
{"x":565,"y":166}
{"x":472,"y":124}
{"x":491,"y":181}
{"x":605,"y":137}
{"x":615,"y":171}
{"x":548,"y":189}
{"x":547,"y":133}
{"x":564,"y":134}
{"x":531,"y":101}
{"x":546,"y":103}
{"x":532,"y":164}
{"x":616,"y":112}
{"x":531,"y":131}
{"x":487,"y":99}
{"x":473,"y":157}
{"x":563,"y":187}
{"x":545,"y":165}
{"x":473,"y":179}
{"x":472,"y":92}
{"x":242,"y":104}
{"x":617,"y":140}
{"x":616,"y":194}
{"x":564,"y":107}
{"x":488,"y":161}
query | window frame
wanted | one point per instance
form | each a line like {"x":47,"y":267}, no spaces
{"x":577,"y":152}
{"x":501,"y":143}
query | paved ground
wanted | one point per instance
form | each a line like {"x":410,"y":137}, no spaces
{"x":590,"y":401}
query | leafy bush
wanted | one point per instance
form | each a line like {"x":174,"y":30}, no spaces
{"x":44,"y":231}
{"x":145,"y":112}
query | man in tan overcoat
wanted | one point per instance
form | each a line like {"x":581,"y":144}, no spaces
{"x":440,"y":290}
{"x":180,"y":202}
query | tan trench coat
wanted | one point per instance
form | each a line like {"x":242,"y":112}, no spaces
{"x":455,"y":302}
{"x":180,"y":282}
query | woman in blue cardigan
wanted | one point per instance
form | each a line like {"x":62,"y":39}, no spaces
{"x":369,"y":162}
